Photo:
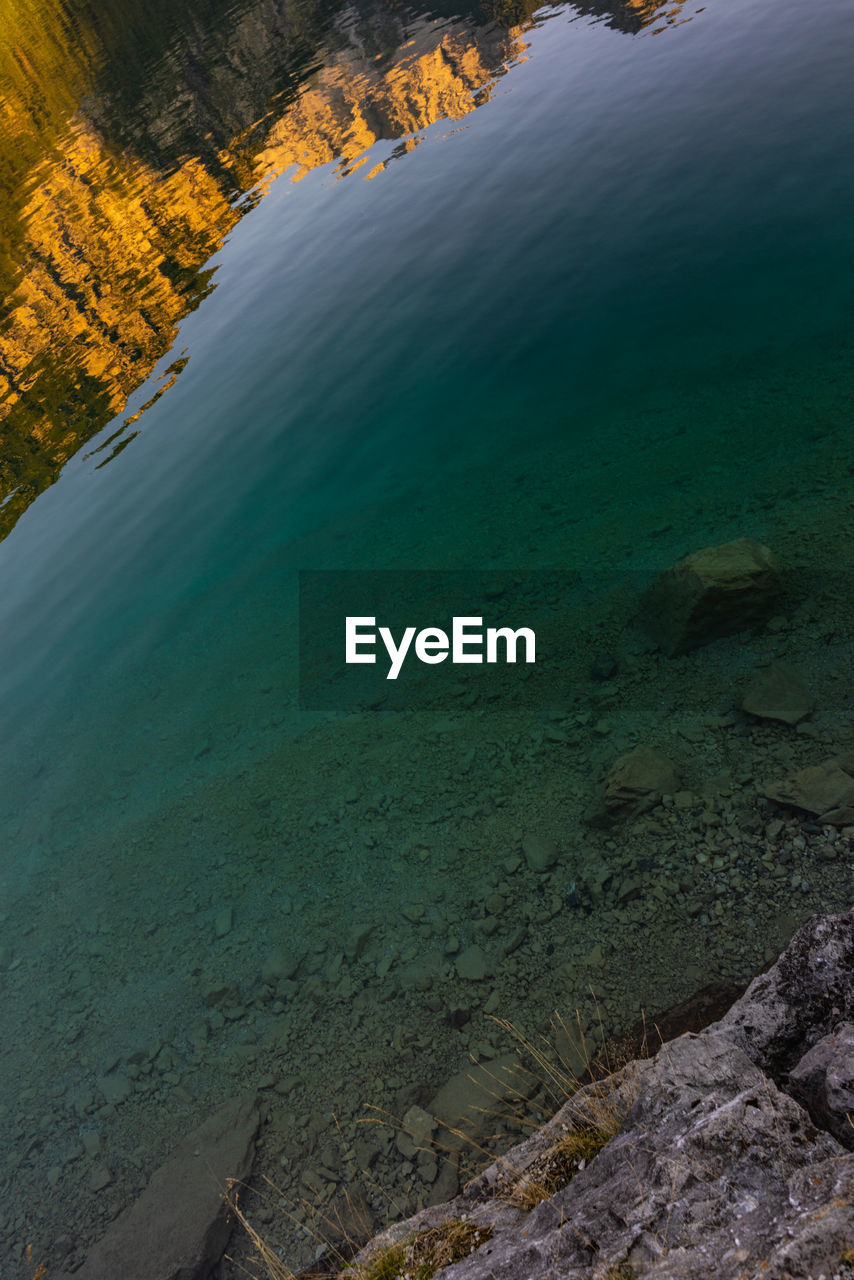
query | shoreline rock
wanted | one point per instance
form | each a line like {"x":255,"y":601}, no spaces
{"x":715,"y":1169}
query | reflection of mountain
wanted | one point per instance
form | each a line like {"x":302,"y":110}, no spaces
{"x":127,"y":155}
{"x":115,"y":249}
{"x":440,"y":76}
{"x":632,"y":16}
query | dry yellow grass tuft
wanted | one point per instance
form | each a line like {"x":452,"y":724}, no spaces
{"x":422,"y":1255}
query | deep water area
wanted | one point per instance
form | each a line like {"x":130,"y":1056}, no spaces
{"x":540,"y":300}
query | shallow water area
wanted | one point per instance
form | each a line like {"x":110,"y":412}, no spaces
{"x":562,"y":295}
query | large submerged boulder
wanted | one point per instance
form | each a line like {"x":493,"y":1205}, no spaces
{"x":179,"y":1227}
{"x":712,"y":593}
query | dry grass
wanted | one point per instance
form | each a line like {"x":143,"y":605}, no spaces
{"x":422,"y":1255}
{"x":593,"y":1104}
{"x":574,"y":1073}
{"x":558,"y":1165}
{"x":266,"y":1255}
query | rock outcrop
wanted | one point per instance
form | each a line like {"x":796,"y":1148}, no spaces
{"x":711,"y":593}
{"x":708,"y":1163}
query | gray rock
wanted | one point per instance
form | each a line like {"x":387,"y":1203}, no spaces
{"x":215,"y":992}
{"x":708,"y":1166}
{"x":99,"y":1177}
{"x":92,"y":1143}
{"x":711,"y":593}
{"x":467,"y":1103}
{"x":224,"y":922}
{"x":779,"y":694}
{"x":824,"y":1081}
{"x":178,"y":1228}
{"x":422,"y":972}
{"x":417,"y":1132}
{"x":357,"y":940}
{"x":800,"y":1000}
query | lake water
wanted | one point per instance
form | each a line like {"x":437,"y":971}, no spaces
{"x":555,"y":295}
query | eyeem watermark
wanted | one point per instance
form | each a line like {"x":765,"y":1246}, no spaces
{"x":418,"y":639}
{"x":432,"y":645}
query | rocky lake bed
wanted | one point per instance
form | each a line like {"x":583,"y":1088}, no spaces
{"x":589,"y":856}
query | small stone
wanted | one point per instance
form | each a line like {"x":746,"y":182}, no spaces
{"x":779,"y":694}
{"x":693,"y":733}
{"x":357,"y":940}
{"x":603,"y":667}
{"x":630,"y":889}
{"x":80,"y":980}
{"x":115,"y":1088}
{"x":826,"y":789}
{"x":420,"y":1125}
{"x":635,"y":784}
{"x":281,"y":963}
{"x":99,"y":1178}
{"x":473,"y":965}
{"x":224,"y":922}
{"x":540,"y":853}
{"x":92,"y":1143}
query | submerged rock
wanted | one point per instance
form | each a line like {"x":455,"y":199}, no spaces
{"x":711,"y":593}
{"x":637,"y":782}
{"x":467,"y":1103}
{"x":178,"y":1228}
{"x":779,"y":694}
{"x":473,"y":964}
{"x":603,"y":667}
{"x":540,"y":853}
{"x":825,"y":789}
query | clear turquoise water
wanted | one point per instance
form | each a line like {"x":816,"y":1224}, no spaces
{"x":601,"y":320}
{"x":637,"y":236}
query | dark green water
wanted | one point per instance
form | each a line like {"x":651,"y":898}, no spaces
{"x":600,"y":315}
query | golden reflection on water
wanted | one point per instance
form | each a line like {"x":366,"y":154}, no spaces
{"x":103,"y":247}
{"x":114,"y":249}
